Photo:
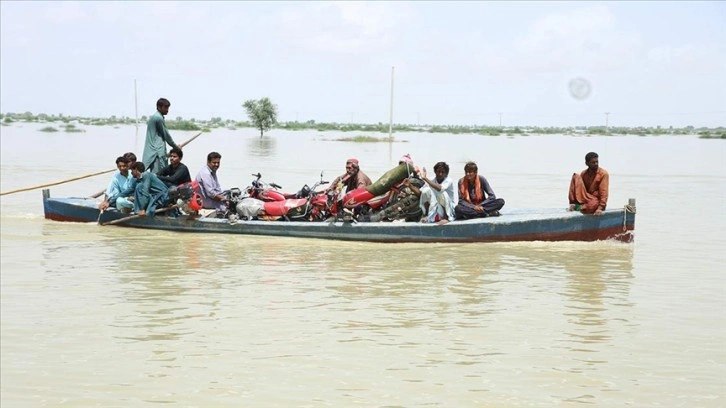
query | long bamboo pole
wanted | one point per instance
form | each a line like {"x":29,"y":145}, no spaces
{"x":80,"y":177}
{"x":56,"y":183}
{"x":131,"y":217}
{"x":100,"y":193}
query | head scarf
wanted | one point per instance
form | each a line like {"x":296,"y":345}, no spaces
{"x":464,"y":191}
{"x":353,"y":161}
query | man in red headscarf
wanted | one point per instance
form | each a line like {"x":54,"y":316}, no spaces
{"x":352,"y":179}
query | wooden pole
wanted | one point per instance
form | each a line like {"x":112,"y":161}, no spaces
{"x":100,"y":193}
{"x":57,"y":182}
{"x":81,"y":177}
{"x":390,"y":118}
{"x":136,"y":117}
{"x":133,"y":217}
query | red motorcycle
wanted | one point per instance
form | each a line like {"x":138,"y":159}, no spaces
{"x":300,"y":206}
{"x":267,"y":191}
{"x":362,"y":204}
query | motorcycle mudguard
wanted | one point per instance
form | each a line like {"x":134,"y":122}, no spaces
{"x":357,"y":197}
{"x":282,"y":207}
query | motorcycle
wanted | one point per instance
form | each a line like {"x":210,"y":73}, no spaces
{"x":266,"y":191}
{"x":368,"y":203}
{"x":387,"y":199}
{"x":293,"y":207}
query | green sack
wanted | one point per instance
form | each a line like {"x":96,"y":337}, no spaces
{"x":390,"y":178}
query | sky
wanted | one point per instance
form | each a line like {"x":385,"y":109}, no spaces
{"x":449,"y":63}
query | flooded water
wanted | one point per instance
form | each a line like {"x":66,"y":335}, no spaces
{"x":108,"y":316}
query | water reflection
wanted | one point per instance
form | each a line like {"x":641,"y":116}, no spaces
{"x":262,"y":146}
{"x":166,"y":278}
{"x":597,"y":281}
{"x":473,"y":286}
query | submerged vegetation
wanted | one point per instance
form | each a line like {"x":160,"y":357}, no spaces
{"x":364,"y":139}
{"x":70,"y":124}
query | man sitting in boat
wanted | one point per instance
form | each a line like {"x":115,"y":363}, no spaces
{"x":150,"y":193}
{"x":211,"y":190}
{"x":176,"y":172}
{"x":476,"y":197}
{"x":125,"y":200}
{"x":117,"y":185}
{"x":589,"y":190}
{"x":352,"y":178}
{"x":438,"y":196}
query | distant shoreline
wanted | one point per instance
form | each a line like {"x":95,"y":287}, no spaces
{"x":68,"y":124}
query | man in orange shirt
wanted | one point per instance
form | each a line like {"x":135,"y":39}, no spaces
{"x":589,"y":189}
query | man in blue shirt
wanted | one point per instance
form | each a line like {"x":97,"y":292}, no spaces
{"x":150,"y":192}
{"x":117,"y":184}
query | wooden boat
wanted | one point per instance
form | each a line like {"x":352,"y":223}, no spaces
{"x":72,"y":209}
{"x":552,"y":224}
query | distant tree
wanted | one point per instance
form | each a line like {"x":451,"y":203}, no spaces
{"x":262,"y":113}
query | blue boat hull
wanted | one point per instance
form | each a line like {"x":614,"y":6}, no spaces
{"x":555,"y":224}
{"x":73,"y":209}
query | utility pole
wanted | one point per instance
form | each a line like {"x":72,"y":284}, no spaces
{"x":136,"y":117}
{"x":390,"y":120}
{"x":607,"y":121}
{"x":418,"y":118}
{"x":500,"y":119}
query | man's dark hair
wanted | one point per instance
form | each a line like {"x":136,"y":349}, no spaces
{"x":591,"y":155}
{"x":177,"y":151}
{"x":163,"y":102}
{"x":122,"y":159}
{"x":130,"y":157}
{"x":139,"y":166}
{"x":213,"y":155}
{"x":442,"y":165}
{"x":470,"y":166}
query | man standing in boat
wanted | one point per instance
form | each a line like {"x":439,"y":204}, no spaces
{"x":157,"y":137}
{"x":589,"y":189}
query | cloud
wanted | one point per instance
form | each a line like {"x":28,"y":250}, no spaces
{"x":586,"y":39}
{"x":342,"y":27}
{"x":688,"y":59}
{"x":65,"y":12}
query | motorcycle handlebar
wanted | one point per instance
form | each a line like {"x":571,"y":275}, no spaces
{"x":276,"y":185}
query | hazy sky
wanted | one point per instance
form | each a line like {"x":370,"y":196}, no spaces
{"x":648,"y":63}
